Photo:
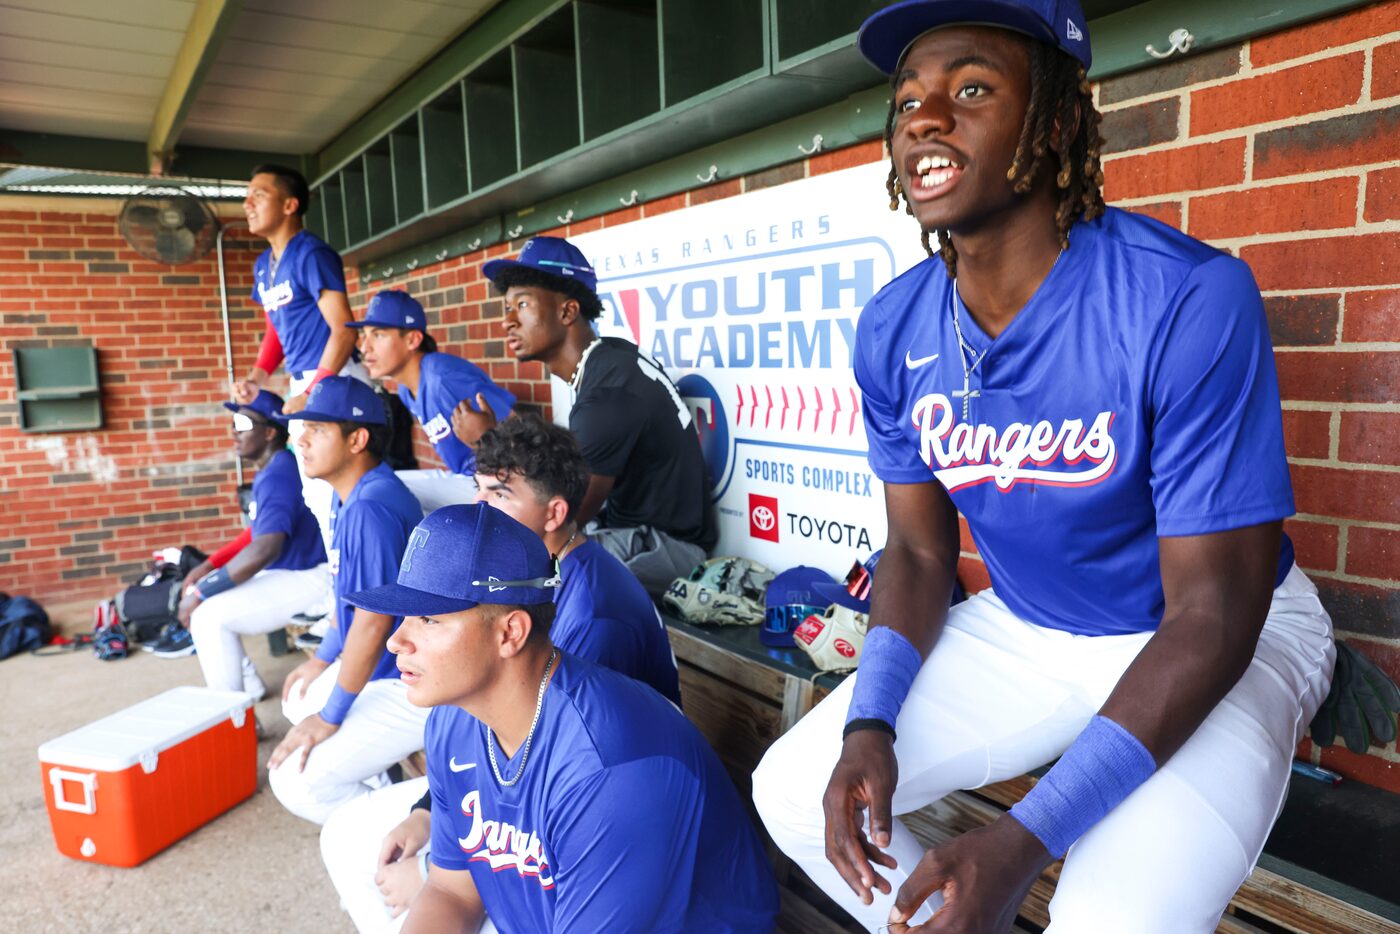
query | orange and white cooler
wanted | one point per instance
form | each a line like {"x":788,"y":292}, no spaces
{"x":123,"y":788}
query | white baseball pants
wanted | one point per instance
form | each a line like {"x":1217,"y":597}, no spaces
{"x":381,"y":728}
{"x":999,"y":696}
{"x":437,"y":488}
{"x":350,"y":842}
{"x":317,"y":493}
{"x":264,"y":603}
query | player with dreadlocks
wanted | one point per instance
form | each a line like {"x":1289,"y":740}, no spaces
{"x":1095,"y":393}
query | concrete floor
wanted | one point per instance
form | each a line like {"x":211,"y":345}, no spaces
{"x":254,"y":869}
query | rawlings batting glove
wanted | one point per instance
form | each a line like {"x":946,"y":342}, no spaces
{"x":1362,"y":704}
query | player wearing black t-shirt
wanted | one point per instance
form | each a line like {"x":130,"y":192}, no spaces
{"x":647,"y":487}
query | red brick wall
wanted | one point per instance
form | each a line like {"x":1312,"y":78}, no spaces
{"x":83,"y":510}
{"x":1286,"y":152}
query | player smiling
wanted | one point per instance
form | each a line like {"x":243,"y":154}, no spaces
{"x":1095,"y":393}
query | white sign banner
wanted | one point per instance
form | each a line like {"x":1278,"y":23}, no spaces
{"x":750,"y":303}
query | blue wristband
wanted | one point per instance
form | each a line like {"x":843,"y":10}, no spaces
{"x":1099,"y":769}
{"x":888,"y":665}
{"x":337,"y":705}
{"x":215,"y":582}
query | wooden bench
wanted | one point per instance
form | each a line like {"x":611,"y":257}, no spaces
{"x":1332,"y":863}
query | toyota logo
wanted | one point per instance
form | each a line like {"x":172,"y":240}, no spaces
{"x":763,"y":518}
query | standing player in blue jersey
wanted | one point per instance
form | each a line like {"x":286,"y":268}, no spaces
{"x":300,"y":283}
{"x":351,"y":715}
{"x":534,"y":472}
{"x":1096,"y":393}
{"x":281,"y":570}
{"x":566,"y":797}
{"x":396,"y":344}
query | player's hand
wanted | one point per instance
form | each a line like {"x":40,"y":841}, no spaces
{"x":306,"y":672}
{"x":864,"y":778}
{"x":407,"y":838}
{"x":304,"y":737}
{"x":294,"y":404}
{"x":245,"y":391}
{"x":469,"y":423}
{"x":983,"y":877}
{"x":399,"y":883}
{"x":187,"y":604}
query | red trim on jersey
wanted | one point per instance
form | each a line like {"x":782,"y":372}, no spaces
{"x":225,"y":554}
{"x":270,"y":353}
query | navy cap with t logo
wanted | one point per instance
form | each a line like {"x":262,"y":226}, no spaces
{"x":553,"y":255}
{"x":463,"y":556}
{"x":342,"y":399}
{"x":393,"y":309}
{"x":885,"y":36}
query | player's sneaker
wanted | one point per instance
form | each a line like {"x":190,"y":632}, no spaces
{"x":307,"y":641}
{"x":110,"y":642}
{"x":175,"y":642}
{"x":252,"y":681}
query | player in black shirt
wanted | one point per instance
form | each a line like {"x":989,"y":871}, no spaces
{"x":647,"y":488}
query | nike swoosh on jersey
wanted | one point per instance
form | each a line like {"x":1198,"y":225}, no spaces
{"x":913,"y":364}
{"x":452,"y":764}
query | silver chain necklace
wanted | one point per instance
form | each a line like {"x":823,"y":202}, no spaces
{"x":524,"y":747}
{"x":964,"y":349}
{"x":967,"y":393}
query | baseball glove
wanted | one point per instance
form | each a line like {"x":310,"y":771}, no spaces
{"x":1361,"y":705}
{"x":723,"y":591}
{"x":834,"y":639}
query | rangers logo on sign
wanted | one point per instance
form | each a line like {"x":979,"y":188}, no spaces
{"x":763,"y":517}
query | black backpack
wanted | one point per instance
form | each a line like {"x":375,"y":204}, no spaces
{"x":23,"y":625}
{"x":146,"y":609}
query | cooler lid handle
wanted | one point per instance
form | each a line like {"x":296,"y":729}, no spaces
{"x":89,"y":782}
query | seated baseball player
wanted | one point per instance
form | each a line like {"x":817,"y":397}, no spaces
{"x":566,"y":796}
{"x":274,"y":569}
{"x":647,"y":487}
{"x":1095,"y":393}
{"x":533,"y":471}
{"x":395,"y":343}
{"x":350,"y":713}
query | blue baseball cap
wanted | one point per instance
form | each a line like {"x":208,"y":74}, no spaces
{"x":791,"y":597}
{"x":887,"y":35}
{"x":393,"y":309}
{"x":342,"y":399}
{"x":266,"y":404}
{"x":854,"y":594}
{"x":553,"y":255}
{"x":463,"y":556}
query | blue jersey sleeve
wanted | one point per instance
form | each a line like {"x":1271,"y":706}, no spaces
{"x":331,"y":644}
{"x":619,"y":873}
{"x":277,"y":507}
{"x":891,"y":457}
{"x":465,"y":383}
{"x":321,"y":271}
{"x":1218,"y":458}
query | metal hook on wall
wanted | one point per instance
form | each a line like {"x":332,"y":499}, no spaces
{"x":1181,"y":41}
{"x":816,"y":146}
{"x":440,"y":256}
{"x":565,"y":218}
{"x":474,"y":245}
{"x":714,"y":173}
{"x":412,"y":265}
{"x":515,"y":232}
{"x":630,"y":200}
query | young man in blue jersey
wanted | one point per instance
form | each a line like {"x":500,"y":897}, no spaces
{"x":534,"y":472}
{"x":1095,"y":393}
{"x":350,"y":713}
{"x":395,"y":344}
{"x":277,"y":569}
{"x":566,"y":797}
{"x":299,"y":281}
{"x":648,"y":493}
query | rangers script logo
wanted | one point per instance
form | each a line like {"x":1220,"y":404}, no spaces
{"x":963,"y":455}
{"x":503,"y":846}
